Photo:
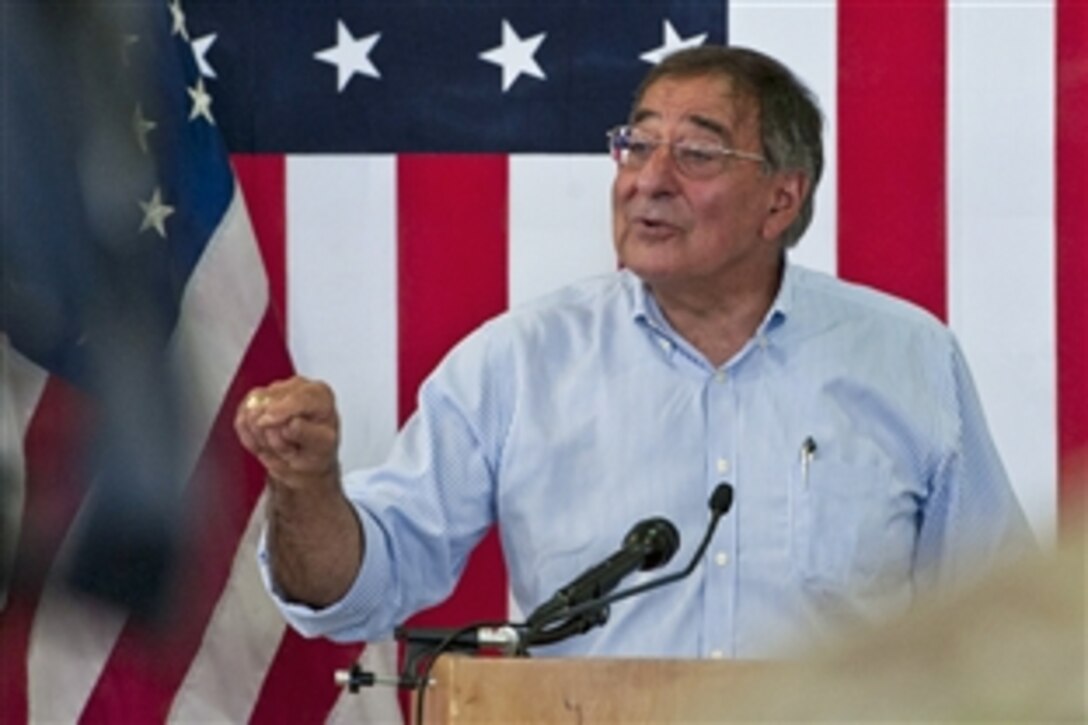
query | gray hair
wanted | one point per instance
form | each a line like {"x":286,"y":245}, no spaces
{"x":791,"y":124}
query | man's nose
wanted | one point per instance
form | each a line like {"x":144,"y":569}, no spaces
{"x":659,"y":173}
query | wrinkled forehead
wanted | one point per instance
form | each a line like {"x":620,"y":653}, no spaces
{"x":714,"y":101}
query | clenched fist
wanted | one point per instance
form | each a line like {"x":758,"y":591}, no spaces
{"x":293,"y":428}
{"x":315,"y":541}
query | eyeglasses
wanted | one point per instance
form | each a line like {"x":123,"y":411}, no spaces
{"x":632,"y":149}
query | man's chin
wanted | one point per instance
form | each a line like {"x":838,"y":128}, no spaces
{"x":649,"y":272}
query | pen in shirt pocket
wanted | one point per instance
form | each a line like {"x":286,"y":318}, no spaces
{"x":808,"y":452}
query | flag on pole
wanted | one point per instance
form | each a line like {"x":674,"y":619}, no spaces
{"x":136,"y":314}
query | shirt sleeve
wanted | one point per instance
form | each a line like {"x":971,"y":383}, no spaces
{"x":424,"y":510}
{"x":972,"y":522}
{"x":347,"y":619}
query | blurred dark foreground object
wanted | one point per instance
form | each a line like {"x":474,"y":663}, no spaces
{"x":88,"y":290}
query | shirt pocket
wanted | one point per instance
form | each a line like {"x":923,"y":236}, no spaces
{"x":838,"y":520}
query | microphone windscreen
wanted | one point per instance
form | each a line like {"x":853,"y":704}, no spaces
{"x":722,"y":499}
{"x":658,"y":539}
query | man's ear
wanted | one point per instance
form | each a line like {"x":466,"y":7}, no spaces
{"x":788,"y":192}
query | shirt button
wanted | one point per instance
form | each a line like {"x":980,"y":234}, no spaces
{"x":719,"y":375}
{"x":721,"y":558}
{"x":716,"y":654}
{"x":665,"y":344}
{"x":723,"y":465}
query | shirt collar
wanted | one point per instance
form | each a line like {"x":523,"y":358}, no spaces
{"x":782,"y":305}
{"x":645,"y":309}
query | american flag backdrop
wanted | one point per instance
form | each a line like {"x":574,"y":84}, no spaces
{"x":412,"y":168}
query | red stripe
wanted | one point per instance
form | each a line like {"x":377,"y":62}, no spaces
{"x":263,"y":178}
{"x":299,"y":686}
{"x":452,"y":236}
{"x":891,"y":121}
{"x":146,"y":667}
{"x":452,"y":275}
{"x":1071,"y":156}
{"x":54,"y":445}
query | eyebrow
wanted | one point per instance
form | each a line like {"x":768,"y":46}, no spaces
{"x":702,"y":122}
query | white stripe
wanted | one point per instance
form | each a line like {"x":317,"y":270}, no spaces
{"x":342,"y":300}
{"x":223,"y":305}
{"x":70,"y":639}
{"x":342,"y":327}
{"x":239,"y":644}
{"x":21,"y":386}
{"x":560,"y":221}
{"x":1001,"y":231}
{"x":803,"y":35}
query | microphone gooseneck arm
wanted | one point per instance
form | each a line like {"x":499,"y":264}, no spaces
{"x":575,"y":617}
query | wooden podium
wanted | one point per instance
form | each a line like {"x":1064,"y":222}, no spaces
{"x":504,"y":690}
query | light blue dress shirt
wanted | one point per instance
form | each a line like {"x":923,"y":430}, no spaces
{"x":569,"y":419}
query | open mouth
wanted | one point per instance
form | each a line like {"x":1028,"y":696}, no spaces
{"x":653,"y":226}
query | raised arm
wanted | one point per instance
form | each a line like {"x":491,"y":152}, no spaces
{"x":315,"y":541}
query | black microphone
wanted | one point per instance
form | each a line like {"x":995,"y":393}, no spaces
{"x":577,"y":608}
{"x":574,"y":614}
{"x":648,"y":545}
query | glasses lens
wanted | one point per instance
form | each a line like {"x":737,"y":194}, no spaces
{"x":699,"y":160}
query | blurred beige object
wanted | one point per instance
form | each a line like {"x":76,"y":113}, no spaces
{"x":1011,"y":649}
